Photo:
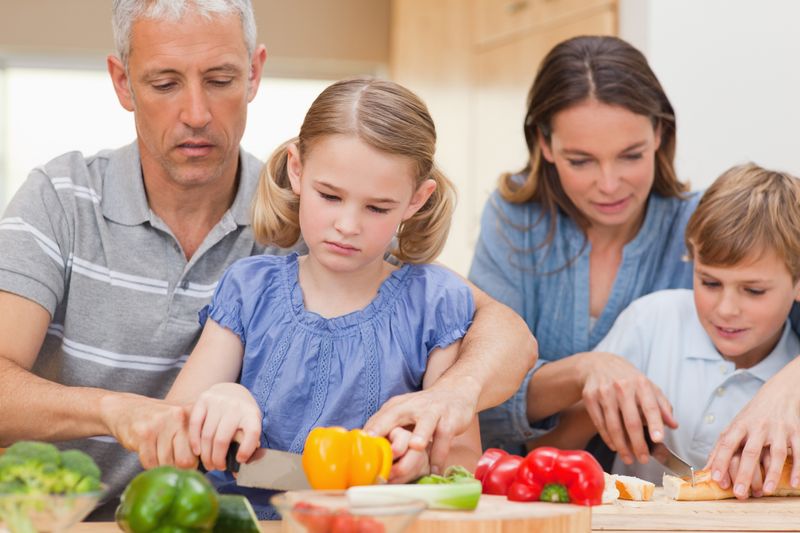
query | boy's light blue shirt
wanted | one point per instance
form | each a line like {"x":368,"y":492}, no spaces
{"x":548,"y":284}
{"x":662,"y":336}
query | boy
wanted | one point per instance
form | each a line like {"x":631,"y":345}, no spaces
{"x":711,"y":349}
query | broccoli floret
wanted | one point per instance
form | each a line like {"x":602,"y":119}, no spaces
{"x":32,"y":468}
{"x":80,"y":463}
{"x":40,"y":452}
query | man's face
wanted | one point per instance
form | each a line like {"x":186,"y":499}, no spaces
{"x":188,"y":84}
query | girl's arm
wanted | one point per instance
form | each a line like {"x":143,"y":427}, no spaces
{"x":214,"y":407}
{"x":216,"y":358}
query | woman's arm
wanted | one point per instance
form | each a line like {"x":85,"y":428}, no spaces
{"x":618,"y":397}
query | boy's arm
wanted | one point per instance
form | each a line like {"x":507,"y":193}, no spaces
{"x":494,"y":357}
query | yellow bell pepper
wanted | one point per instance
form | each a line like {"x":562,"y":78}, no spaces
{"x":335,"y":459}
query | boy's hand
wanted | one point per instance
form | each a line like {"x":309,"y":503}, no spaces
{"x":769,"y":424}
{"x":224,"y":411}
{"x":409,"y":463}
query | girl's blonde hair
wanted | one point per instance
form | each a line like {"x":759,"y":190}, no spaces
{"x":747,"y":210}
{"x":389,"y":118}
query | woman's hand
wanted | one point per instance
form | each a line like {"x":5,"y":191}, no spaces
{"x":224,"y":411}
{"x":621,"y":401}
{"x":409,"y":464}
{"x":768,"y":425}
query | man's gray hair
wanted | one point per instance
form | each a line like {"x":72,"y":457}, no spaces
{"x":126,"y":12}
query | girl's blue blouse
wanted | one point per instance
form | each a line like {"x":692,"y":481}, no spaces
{"x":548,"y":284}
{"x":306,"y":371}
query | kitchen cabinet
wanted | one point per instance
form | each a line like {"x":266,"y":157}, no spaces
{"x":473,"y":61}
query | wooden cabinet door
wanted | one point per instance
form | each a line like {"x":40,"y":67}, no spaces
{"x":496,"y":21}
{"x":502,"y":77}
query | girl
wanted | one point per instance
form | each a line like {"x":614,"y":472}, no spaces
{"x":294,"y":342}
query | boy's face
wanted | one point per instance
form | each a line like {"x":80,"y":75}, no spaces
{"x":743,"y":307}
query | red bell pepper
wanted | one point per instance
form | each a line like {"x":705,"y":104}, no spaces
{"x":497,"y":470}
{"x":553,"y":475}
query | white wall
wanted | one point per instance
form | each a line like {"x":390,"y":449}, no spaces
{"x":731,"y":69}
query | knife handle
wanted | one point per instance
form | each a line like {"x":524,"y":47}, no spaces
{"x":231,"y":464}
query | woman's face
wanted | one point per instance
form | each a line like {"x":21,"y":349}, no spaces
{"x":605,"y":157}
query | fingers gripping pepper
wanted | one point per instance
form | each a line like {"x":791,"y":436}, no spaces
{"x":335,"y":458}
{"x":553,"y":475}
{"x":167,"y":499}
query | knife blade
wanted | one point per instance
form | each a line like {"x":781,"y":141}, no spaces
{"x":669,"y":459}
{"x":269,"y":469}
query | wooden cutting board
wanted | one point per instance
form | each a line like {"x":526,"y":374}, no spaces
{"x":495,"y":514}
{"x":660,"y":514}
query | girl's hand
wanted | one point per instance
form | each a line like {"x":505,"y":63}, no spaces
{"x":224,"y":411}
{"x":409,"y":463}
{"x":621,"y":401}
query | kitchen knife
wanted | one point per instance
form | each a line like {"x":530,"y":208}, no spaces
{"x":268,"y":469}
{"x":669,"y":459}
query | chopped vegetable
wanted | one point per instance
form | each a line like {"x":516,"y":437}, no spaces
{"x":235,"y":515}
{"x":319,"y":519}
{"x":457,"y":489}
{"x":334,"y":458}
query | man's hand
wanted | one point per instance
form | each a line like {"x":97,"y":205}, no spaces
{"x":621,"y":400}
{"x":155,"y":429}
{"x":437,"y":414}
{"x":768,"y":425}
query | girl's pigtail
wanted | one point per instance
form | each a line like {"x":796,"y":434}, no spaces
{"x":276,"y":206}
{"x":422,"y":237}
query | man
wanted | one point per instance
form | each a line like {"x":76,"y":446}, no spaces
{"x":107,"y":259}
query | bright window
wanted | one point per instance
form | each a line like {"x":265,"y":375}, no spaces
{"x":46,"y":112}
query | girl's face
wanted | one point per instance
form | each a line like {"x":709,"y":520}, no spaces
{"x":352,"y":199}
{"x":605,"y":157}
{"x":743,"y":307}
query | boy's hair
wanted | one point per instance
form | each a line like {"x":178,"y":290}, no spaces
{"x":747,"y":210}
{"x":126,"y":12}
{"x":389,"y":118}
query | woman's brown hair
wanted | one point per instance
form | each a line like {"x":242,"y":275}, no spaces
{"x":606,"y":69}
{"x":747,"y":210}
{"x":389,"y":118}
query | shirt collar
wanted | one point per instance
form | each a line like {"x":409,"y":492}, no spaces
{"x":702,"y":348}
{"x":125,"y":200}
{"x":787,"y":348}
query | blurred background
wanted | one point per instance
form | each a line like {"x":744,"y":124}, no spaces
{"x":728,"y":66}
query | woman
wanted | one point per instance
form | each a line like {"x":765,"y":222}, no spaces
{"x":594,"y":220}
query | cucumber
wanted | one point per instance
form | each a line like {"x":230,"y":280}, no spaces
{"x":235,"y":515}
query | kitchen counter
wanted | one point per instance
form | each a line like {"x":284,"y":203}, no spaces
{"x":662,"y":515}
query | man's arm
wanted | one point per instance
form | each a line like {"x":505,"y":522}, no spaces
{"x":495,"y":355}
{"x":38,"y":409}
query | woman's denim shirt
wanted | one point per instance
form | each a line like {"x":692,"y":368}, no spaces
{"x":548,"y":285}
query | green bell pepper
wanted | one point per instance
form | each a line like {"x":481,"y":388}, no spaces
{"x":168,"y":500}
